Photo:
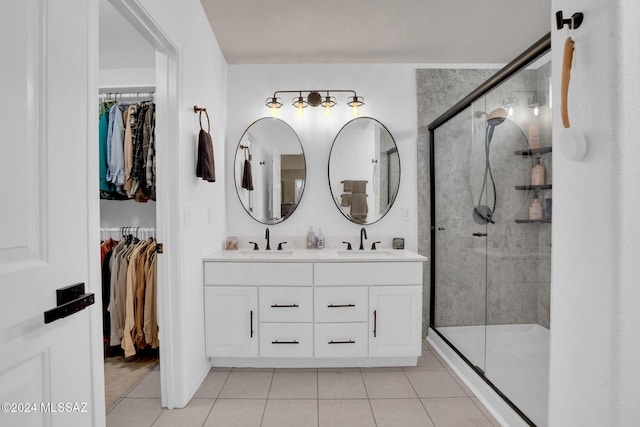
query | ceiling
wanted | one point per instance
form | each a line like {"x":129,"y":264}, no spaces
{"x":376,"y":31}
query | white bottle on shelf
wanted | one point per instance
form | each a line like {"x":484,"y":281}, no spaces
{"x":537,"y":173}
{"x":536,"y":212}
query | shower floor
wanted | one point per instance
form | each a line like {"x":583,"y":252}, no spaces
{"x":516,"y":361}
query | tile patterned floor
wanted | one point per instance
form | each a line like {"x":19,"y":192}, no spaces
{"x":429,"y":394}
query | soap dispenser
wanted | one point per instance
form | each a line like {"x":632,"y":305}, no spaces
{"x":536,"y":212}
{"x":311,"y":239}
{"x":537,"y":173}
{"x":320,"y":242}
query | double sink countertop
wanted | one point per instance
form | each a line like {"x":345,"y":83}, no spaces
{"x":317,"y":255}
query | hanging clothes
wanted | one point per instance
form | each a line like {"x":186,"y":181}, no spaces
{"x":127,"y":147}
{"x":205,"y":166}
{"x":129,"y":277}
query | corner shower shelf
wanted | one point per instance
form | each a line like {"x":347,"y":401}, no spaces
{"x":533,"y":221}
{"x":533,"y":151}
{"x":533,"y":187}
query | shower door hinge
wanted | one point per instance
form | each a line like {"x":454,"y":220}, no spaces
{"x":478,"y":370}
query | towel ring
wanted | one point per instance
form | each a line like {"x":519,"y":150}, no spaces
{"x":208,"y":121}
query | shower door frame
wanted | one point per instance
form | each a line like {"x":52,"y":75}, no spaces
{"x":513,"y":67}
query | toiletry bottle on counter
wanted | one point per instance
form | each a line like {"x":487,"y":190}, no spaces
{"x":534,"y":137}
{"x":311,"y":239}
{"x":320,"y":242}
{"x":537,"y":173}
{"x":535,"y":209}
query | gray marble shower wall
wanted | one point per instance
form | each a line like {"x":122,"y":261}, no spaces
{"x":503,"y":279}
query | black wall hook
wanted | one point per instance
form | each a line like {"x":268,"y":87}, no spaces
{"x":574,"y":22}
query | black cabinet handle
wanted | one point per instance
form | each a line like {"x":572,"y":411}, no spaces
{"x":341,"y":342}
{"x":251,"y":321}
{"x":69,"y":300}
{"x":340,"y":305}
{"x":285,"y":342}
{"x":479,"y":234}
{"x":375,"y":322}
{"x":284,"y":306}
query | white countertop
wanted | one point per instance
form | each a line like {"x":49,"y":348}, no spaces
{"x":316,"y":255}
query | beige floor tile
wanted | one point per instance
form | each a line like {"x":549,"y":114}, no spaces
{"x":341,"y":385}
{"x":304,"y":370}
{"x":236,"y":413}
{"x":400,"y":412}
{"x":291,"y":413}
{"x":427,"y":346}
{"x":346,"y":413}
{"x":220,"y":369}
{"x":247,"y":385}
{"x":212,"y":385}
{"x":455,"y":412}
{"x":461,"y":383}
{"x":426,"y":362}
{"x":192,"y":415}
{"x":435,"y":384}
{"x":485,"y":411}
{"x":294,"y":385}
{"x":390,"y":385}
{"x":132,"y":412}
{"x":148,"y":387}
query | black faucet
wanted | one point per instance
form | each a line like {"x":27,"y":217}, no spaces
{"x":266,"y":236}
{"x":362,"y":232}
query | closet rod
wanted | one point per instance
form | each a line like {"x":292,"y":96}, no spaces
{"x":122,"y":231}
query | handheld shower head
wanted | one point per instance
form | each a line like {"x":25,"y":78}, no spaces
{"x":496,"y":117}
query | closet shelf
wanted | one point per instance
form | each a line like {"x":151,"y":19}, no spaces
{"x":533,"y":187}
{"x":533,"y":221}
{"x":533,"y":151}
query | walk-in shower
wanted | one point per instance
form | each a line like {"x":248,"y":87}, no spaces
{"x":490,"y":260}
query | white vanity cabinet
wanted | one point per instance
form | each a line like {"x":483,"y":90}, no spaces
{"x":231,"y":319}
{"x":296,"y":311}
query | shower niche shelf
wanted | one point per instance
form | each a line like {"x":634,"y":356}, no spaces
{"x":533,"y":221}
{"x":534,"y":187}
{"x":533,"y":151}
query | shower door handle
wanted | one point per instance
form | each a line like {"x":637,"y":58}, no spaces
{"x":480,"y":234}
{"x":441,"y":228}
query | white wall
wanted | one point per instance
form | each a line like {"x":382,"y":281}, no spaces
{"x":594,"y":373}
{"x":390,"y":96}
{"x":202,"y":81}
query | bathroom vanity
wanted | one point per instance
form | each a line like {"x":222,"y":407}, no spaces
{"x":313,"y":308}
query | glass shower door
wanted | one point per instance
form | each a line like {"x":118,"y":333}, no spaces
{"x":460,"y":239}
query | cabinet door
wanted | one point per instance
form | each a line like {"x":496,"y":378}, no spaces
{"x":231,"y":321}
{"x":395,"y":321}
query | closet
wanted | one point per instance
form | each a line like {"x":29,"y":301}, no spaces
{"x":129,"y":251}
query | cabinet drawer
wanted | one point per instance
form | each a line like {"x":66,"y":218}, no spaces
{"x":341,"y":340}
{"x":343,"y":304}
{"x":286,"y":339}
{"x":286,"y":304}
{"x":368,"y":273}
{"x":258,"y":273}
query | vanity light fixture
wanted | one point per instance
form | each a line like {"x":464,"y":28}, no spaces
{"x":314,"y":99}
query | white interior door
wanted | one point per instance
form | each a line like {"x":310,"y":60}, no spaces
{"x":50,"y":374}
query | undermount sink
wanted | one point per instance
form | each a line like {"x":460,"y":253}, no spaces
{"x":262,"y":253}
{"x":369,"y":253}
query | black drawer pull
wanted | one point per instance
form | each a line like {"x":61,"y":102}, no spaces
{"x":340,"y":305}
{"x":479,"y":234}
{"x":341,"y":342}
{"x":375,"y":323}
{"x":285,"y":342}
{"x":284,"y":306}
{"x":251,"y":326}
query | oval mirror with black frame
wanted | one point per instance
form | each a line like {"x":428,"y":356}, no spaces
{"x":269,"y":170}
{"x":364,"y":170}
